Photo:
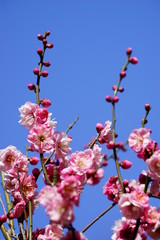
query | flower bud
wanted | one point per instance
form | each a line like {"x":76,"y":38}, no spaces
{"x":44,"y":73}
{"x":104,"y":163}
{"x":133,"y":60}
{"x":119,"y":145}
{"x":36,"y":71}
{"x":115,"y":99}
{"x":3,"y":218}
{"x":44,"y":41}
{"x":147,"y":107}
{"x":10,"y":215}
{"x":129,"y":51}
{"x":47,"y":64}
{"x":40,"y":37}
{"x":114,"y":87}
{"x":108,"y":98}
{"x":121,"y":89}
{"x":110,"y":145}
{"x":39,"y":51}
{"x":33,"y":160}
{"x":99,"y":127}
{"x":45,"y":102}
{"x":125,"y":164}
{"x":31,"y":86}
{"x":49,"y":45}
{"x":47,"y":33}
{"x":122,"y":74}
{"x":36,"y":172}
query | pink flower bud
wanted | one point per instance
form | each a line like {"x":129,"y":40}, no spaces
{"x":125,"y":164}
{"x":36,"y":71}
{"x":119,"y":145}
{"x":129,"y":51}
{"x":45,"y":102}
{"x":31,"y":86}
{"x":122,"y":74}
{"x":147,"y":107}
{"x":133,"y":60}
{"x":114,"y":87}
{"x":47,"y":64}
{"x":40,"y":37}
{"x":142,"y":178}
{"x":10,"y":215}
{"x":115,"y":99}
{"x":108,"y":98}
{"x":3,"y":218}
{"x":44,"y":73}
{"x":39,"y":51}
{"x":110,"y":145}
{"x":121,"y":89}
{"x":33,"y":160}
{"x":47,"y":33}
{"x":99,"y":127}
{"x":104,"y":163}
{"x":49,"y":45}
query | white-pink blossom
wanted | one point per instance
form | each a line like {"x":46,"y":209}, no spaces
{"x":132,"y":204}
{"x":154,"y":165}
{"x":106,"y":133}
{"x":52,"y":232}
{"x":81,"y":162}
{"x":98,"y":156}
{"x":139,"y":139}
{"x":41,"y":138}
{"x":27,"y":112}
{"x":62,"y":142}
{"x":8,"y":157}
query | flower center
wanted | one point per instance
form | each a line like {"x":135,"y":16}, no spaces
{"x":41,"y":138}
{"x":10,"y":158}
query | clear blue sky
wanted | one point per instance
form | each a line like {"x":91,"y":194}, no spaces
{"x":90,"y":38}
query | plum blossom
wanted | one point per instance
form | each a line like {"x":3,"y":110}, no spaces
{"x":154,"y":165}
{"x":81,"y":162}
{"x":106,"y":133}
{"x":41,"y":138}
{"x":62,"y":142}
{"x":132,"y":204}
{"x":98,"y":156}
{"x":41,"y":115}
{"x":94,"y":176}
{"x":59,"y":209}
{"x":28,"y":114}
{"x":139,"y":139}
{"x":8,"y":157}
{"x":52,"y":232}
{"x":124,"y":229}
{"x":19,"y":207}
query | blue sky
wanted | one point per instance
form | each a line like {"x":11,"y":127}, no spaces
{"x":90,"y":39}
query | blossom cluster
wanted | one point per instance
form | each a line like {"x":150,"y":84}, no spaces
{"x":65,"y":173}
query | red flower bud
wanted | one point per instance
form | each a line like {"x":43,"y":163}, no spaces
{"x":122,"y":74}
{"x":115,"y":99}
{"x":114,"y":87}
{"x":10,"y":215}
{"x":44,"y":73}
{"x":47,"y":64}
{"x":133,"y":60}
{"x":3,"y":218}
{"x":108,"y":98}
{"x":125,"y":164}
{"x":110,"y":145}
{"x":39,"y":51}
{"x":35,"y":172}
{"x":47,"y":33}
{"x":99,"y":127}
{"x":31,"y":86}
{"x":147,"y":107}
{"x":49,"y":45}
{"x":121,"y":89}
{"x":33,"y":160}
{"x":129,"y":51}
{"x":36,"y":71}
{"x":44,"y":41}
{"x":40,"y":37}
{"x":45,"y":102}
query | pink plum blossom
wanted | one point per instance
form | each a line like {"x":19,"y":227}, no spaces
{"x":19,"y":207}
{"x":81,"y":162}
{"x":106,"y":134}
{"x":124,"y":230}
{"x":94,"y":176}
{"x":59,"y":209}
{"x":10,"y":180}
{"x":62,"y":142}
{"x":8,"y":157}
{"x":27,"y":112}
{"x":154,"y":165}
{"x":139,"y":139}
{"x":98,"y":156}
{"x":41,"y":138}
{"x":41,"y":115}
{"x":148,"y":151}
{"x":52,"y":232}
{"x":132,"y":204}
